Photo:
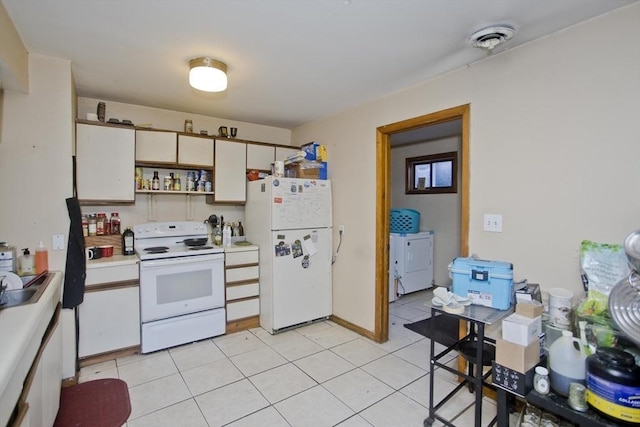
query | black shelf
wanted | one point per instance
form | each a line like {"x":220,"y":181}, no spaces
{"x":557,"y":404}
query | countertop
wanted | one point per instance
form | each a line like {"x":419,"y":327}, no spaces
{"x":21,"y":331}
{"x":118,"y":260}
{"x":240,"y":248}
{"x":112,"y":261}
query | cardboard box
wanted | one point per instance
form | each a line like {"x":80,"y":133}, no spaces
{"x":529,"y":309}
{"x":315,"y":151}
{"x":307,"y":170}
{"x":488,"y":283}
{"x":517,"y":357}
{"x":511,"y":380}
{"x":530,"y":293}
{"x":520,"y":329}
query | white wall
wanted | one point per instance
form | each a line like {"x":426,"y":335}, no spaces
{"x":554,"y":147}
{"x":438,"y":212}
{"x":35,"y":168}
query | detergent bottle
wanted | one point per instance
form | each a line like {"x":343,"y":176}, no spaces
{"x":567,"y":363}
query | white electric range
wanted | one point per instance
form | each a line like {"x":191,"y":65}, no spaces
{"x":181,"y":286}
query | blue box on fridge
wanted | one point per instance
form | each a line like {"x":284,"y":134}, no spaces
{"x":487,"y":283}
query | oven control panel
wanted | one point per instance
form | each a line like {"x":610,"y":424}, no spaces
{"x":168,"y":229}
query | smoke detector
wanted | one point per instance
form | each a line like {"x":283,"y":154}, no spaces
{"x":491,"y":37}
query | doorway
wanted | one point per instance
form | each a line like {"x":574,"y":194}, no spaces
{"x":383,"y":200}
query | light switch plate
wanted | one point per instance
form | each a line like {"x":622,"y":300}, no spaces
{"x":493,"y":223}
{"x":57,"y":242}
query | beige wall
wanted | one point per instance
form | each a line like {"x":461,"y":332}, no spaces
{"x":554,"y":140}
{"x":438,"y":212}
{"x":14,"y":69}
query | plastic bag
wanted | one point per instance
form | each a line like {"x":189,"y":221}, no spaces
{"x":602,"y":265}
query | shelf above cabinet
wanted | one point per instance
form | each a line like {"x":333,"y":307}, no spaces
{"x":190,"y":193}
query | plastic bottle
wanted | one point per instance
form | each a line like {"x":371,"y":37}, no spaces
{"x":226,"y":235}
{"x":26,"y":263}
{"x":127,"y":242}
{"x":42,"y":258}
{"x":567,"y":363}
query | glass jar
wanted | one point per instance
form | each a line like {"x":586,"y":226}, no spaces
{"x":85,"y":225}
{"x":168,"y":183}
{"x":188,"y":126}
{"x":541,"y":380}
{"x":115,"y":223}
{"x":93,"y":225}
{"x":101,"y":224}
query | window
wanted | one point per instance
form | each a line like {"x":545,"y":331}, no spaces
{"x":437,"y":173}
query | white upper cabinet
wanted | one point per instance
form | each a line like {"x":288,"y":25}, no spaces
{"x":156,"y":146}
{"x":230,"y":183}
{"x":195,"y":151}
{"x":105,"y":157}
{"x":283,"y":152}
{"x":260,"y":156}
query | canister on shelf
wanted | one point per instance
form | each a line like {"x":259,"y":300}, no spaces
{"x":177,"y":184}
{"x":93,"y":225}
{"x":115,"y":223}
{"x":85,"y":225}
{"x":188,"y":126}
{"x":100,"y":224}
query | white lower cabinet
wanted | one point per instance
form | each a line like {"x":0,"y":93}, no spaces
{"x":109,"y":320}
{"x":41,"y":394}
{"x":242,"y":285}
{"x":110,"y":313}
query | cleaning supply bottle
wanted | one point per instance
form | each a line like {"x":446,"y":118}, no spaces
{"x":42,"y":258}
{"x":226,"y":235}
{"x":26,"y":263}
{"x":567,"y":363}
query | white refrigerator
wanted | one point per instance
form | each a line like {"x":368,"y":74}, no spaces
{"x":290,"y":220}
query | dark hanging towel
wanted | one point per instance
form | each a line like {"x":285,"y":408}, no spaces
{"x":76,"y":266}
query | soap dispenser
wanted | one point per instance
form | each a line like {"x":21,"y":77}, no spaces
{"x":26,"y":263}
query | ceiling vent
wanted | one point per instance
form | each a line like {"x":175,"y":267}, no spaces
{"x":491,"y":37}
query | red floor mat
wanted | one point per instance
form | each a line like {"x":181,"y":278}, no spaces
{"x":98,"y":403}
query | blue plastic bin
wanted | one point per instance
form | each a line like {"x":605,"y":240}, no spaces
{"x":405,"y":221}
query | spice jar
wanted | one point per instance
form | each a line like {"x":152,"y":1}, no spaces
{"x":115,"y":223}
{"x":93,"y":225}
{"x":85,"y":225}
{"x":541,"y":380}
{"x":100,"y":224}
{"x":168,"y":184}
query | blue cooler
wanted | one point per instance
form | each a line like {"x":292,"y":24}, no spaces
{"x":488,"y":283}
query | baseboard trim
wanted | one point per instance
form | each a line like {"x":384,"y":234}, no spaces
{"x":355,"y":328}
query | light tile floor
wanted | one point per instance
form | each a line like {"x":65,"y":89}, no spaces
{"x":317,"y":375}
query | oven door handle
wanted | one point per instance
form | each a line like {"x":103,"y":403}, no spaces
{"x":164,"y":262}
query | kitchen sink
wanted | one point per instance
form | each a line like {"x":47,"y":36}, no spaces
{"x":18,"y":297}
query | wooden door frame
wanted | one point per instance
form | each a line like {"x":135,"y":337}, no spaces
{"x":383,"y":202}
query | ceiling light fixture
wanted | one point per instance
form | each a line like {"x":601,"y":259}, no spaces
{"x":491,"y":37}
{"x":206,"y":74}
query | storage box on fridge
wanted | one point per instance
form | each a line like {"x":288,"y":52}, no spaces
{"x":487,"y":283}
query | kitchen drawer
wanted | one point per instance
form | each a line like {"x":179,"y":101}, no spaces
{"x":243,"y":291}
{"x":120,"y":273}
{"x":240,"y":258}
{"x":242,"y":309}
{"x":241,"y":274}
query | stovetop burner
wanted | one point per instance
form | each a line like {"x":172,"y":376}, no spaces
{"x":156,"y":241}
{"x":157,"y":249}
